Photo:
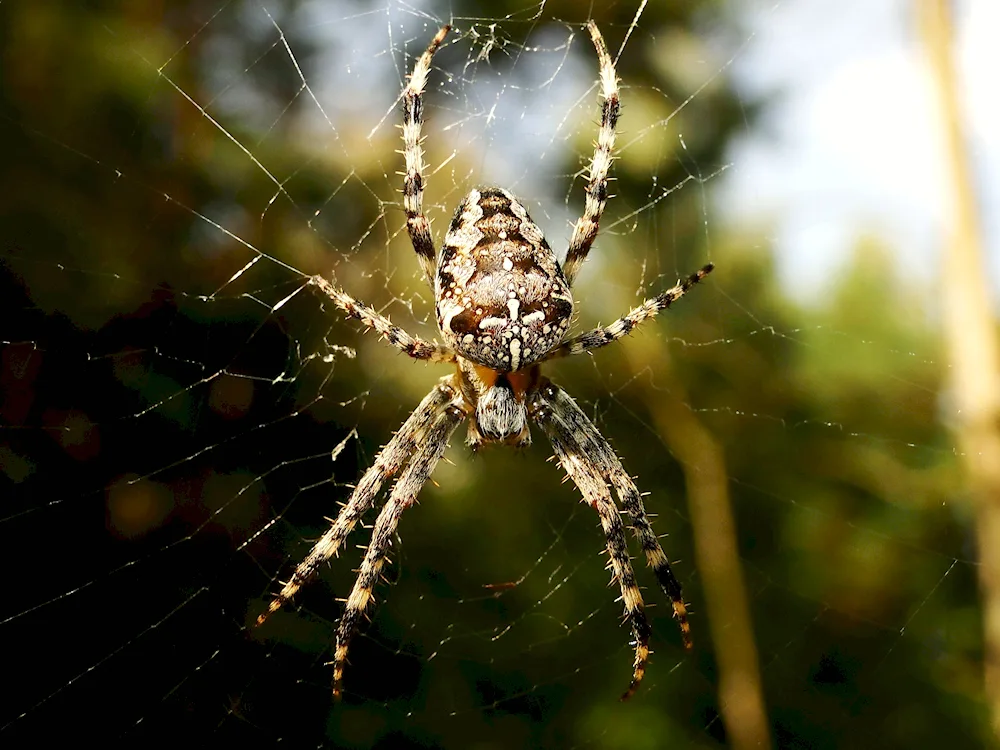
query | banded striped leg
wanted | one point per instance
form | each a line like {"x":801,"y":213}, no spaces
{"x":389,"y":462}
{"x":597,"y":448}
{"x":413,"y":153}
{"x":430,"y":351}
{"x":598,"y":337}
{"x":403,"y":495}
{"x":547,"y":410}
{"x":597,"y":188}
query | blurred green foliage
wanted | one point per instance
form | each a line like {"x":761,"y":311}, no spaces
{"x":854,"y":532}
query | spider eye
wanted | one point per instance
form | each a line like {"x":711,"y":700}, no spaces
{"x":499,"y":414}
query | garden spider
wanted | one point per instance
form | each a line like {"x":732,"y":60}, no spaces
{"x":503,"y":306}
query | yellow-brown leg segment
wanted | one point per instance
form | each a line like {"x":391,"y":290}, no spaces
{"x":413,"y":153}
{"x":389,"y":462}
{"x":597,"y":449}
{"x":586,"y":228}
{"x":403,"y":495}
{"x":598,"y":337}
{"x":594,"y":488}
{"x":429,"y":351}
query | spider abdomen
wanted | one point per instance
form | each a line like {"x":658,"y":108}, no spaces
{"x":502,"y":298}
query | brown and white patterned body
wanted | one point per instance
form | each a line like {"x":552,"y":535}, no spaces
{"x":503,"y":303}
{"x":502,"y":299}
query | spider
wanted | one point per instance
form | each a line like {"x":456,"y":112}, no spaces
{"x":503,"y":306}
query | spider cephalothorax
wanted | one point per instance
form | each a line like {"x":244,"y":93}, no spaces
{"x":503,"y":307}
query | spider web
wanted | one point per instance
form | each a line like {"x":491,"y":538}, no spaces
{"x":181,"y":414}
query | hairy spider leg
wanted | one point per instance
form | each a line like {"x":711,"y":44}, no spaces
{"x":404,"y":494}
{"x":417,"y":225}
{"x":594,"y":445}
{"x":586,"y":228}
{"x":549,"y":413}
{"x":430,"y":351}
{"x":390,"y":461}
{"x":604,"y":335}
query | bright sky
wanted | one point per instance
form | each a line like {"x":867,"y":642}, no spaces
{"x":851,"y":144}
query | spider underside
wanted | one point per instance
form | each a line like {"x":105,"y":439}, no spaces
{"x":503,"y":306}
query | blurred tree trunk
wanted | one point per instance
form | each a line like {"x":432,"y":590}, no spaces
{"x":970,"y":337}
{"x":741,"y":695}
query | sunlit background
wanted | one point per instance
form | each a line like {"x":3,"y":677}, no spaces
{"x":851,"y":143}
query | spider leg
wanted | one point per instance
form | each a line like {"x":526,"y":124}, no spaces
{"x":597,"y":188}
{"x":598,"y":337}
{"x":413,"y":182}
{"x":390,"y":461}
{"x":596,"y":447}
{"x":549,"y":410}
{"x":403,"y":495}
{"x":430,"y":351}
